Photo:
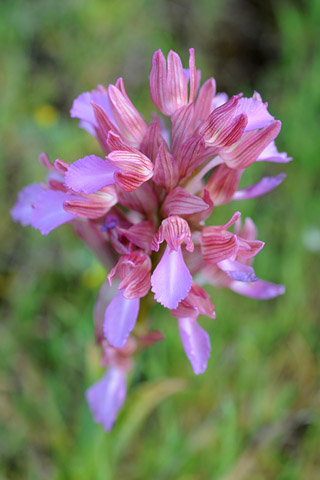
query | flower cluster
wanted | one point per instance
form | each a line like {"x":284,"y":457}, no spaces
{"x":142,"y":208}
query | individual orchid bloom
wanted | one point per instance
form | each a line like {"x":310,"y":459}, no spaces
{"x":223,"y":184}
{"x":171,"y":279}
{"x":169,"y":86}
{"x":122,"y":312}
{"x":103,"y":110}
{"x":238,"y":274}
{"x":146,"y":207}
{"x":217,"y":244}
{"x":129,"y":169}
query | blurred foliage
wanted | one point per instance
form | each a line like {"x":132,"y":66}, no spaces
{"x":255,"y":413}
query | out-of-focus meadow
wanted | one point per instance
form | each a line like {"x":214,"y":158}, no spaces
{"x":254,"y":414}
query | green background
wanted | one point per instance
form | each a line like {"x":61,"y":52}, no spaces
{"x":254,"y":414}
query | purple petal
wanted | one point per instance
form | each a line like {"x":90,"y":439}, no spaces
{"x":196,"y":343}
{"x":238,"y":271}
{"x":219,"y":100}
{"x":265,"y":185}
{"x":256,"y":111}
{"x":171,"y":280}
{"x":106,"y":397}
{"x":48,"y":212}
{"x":23,"y":209}
{"x":90,"y":174}
{"x":83,"y":110}
{"x":120,"y":318}
{"x":260,"y":289}
{"x":271,"y":154}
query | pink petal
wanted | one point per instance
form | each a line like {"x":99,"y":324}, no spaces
{"x":190,"y":155}
{"x":249,"y":147}
{"x":181,"y":202}
{"x":181,"y":122}
{"x":223,"y":184}
{"x":196,"y":343}
{"x":171,"y":280}
{"x":217,"y":245}
{"x":48,"y":210}
{"x":142,"y":200}
{"x":90,"y":174}
{"x":120,"y":319}
{"x":166,"y":171}
{"x":196,"y":303}
{"x":106,"y":397}
{"x":224,"y":126}
{"x":203,"y":106}
{"x":265,"y":185}
{"x":140,"y":234}
{"x":134,"y":168}
{"x":260,"y":289}
{"x":169,"y":89}
{"x":176,"y":82}
{"x":129,"y":121}
{"x":175,"y":231}
{"x":152,"y":141}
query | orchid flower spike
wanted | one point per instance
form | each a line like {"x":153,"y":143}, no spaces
{"x":145,"y":206}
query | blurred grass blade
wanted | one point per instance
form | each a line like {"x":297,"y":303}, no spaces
{"x":141,"y":403}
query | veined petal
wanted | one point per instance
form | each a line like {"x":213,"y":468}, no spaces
{"x":196,"y":343}
{"x":196,"y":303}
{"x":169,"y":89}
{"x":90,"y":174}
{"x":134,"y":272}
{"x":265,"y":185}
{"x":217,"y":246}
{"x":224,"y":126}
{"x":23,"y":209}
{"x":204,"y":103}
{"x":134,"y":168}
{"x":177,"y":86}
{"x":181,"y":122}
{"x":142,"y":200}
{"x":256,"y":111}
{"x":48,"y":212}
{"x":128,"y":119}
{"x":152,"y":141}
{"x":106,"y":397}
{"x":140,"y":234}
{"x":181,"y":202}
{"x":190,"y":155}
{"x":223,"y":184}
{"x":94,"y":205}
{"x":120,"y":319}
{"x":166,"y":170}
{"x":171,"y":280}
{"x":249,"y":147}
{"x":175,"y":231}
{"x":260,"y":289}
